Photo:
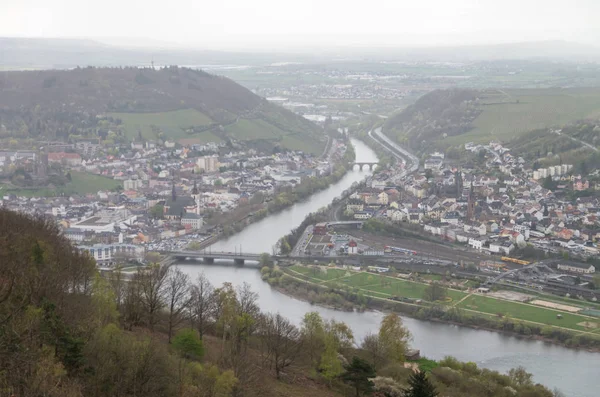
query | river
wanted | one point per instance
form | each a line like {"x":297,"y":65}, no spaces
{"x":574,"y":372}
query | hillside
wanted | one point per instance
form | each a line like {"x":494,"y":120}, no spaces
{"x":170,"y":103}
{"x":453,"y":117}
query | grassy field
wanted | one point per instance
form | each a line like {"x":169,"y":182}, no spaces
{"x":380,"y":285}
{"x":248,"y":130}
{"x":172,"y":123}
{"x":386,"y":287}
{"x":508,"y":113}
{"x":522,"y":311}
{"x":81,"y":183}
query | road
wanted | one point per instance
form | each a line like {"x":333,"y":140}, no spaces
{"x":397,"y":151}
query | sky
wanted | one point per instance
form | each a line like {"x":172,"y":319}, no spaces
{"x":280,"y":24}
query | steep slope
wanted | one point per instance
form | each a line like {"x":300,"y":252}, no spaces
{"x":170,"y":103}
{"x":444,"y":118}
{"x":434,"y":116}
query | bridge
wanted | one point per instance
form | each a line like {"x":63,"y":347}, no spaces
{"x":209,"y":256}
{"x":361,"y":164}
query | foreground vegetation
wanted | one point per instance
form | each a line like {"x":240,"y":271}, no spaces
{"x":66,"y":331}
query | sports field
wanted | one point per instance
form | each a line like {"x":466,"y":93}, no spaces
{"x":523,"y":311}
{"x":382,"y":286}
{"x":508,"y":113}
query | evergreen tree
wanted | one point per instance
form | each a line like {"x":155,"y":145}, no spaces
{"x":420,"y":386}
{"x":359,"y":374}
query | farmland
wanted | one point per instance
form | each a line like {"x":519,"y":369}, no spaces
{"x":171,"y":123}
{"x":507,"y":114}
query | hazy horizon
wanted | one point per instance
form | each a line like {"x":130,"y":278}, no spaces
{"x":274,"y":25}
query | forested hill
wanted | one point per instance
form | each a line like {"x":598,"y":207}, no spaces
{"x":436,"y":115}
{"x":171,"y":103}
{"x":445,"y":118}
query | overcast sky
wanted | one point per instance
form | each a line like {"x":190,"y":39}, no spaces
{"x":278,"y":24}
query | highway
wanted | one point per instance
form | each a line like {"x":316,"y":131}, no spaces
{"x":397,"y":151}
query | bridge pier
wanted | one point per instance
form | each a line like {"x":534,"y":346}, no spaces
{"x":208,"y":260}
{"x":239,"y":261}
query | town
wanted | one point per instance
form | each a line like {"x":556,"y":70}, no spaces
{"x":158,"y":197}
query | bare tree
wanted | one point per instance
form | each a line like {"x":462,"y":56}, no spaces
{"x":132,"y":308}
{"x":177,"y":291}
{"x":202,"y":304}
{"x":282,"y":341}
{"x":152,"y":288}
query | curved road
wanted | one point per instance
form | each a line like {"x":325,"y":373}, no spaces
{"x":398,"y":151}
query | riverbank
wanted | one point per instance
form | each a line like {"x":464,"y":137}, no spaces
{"x":286,"y":199}
{"x":323,"y":291}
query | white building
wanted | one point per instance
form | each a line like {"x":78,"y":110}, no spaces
{"x":106,"y":220}
{"x":132,"y":184}
{"x":577,"y":268}
{"x":109,"y":254}
{"x":208,"y":163}
{"x":193,"y":220}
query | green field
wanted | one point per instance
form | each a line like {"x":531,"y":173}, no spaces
{"x":172,"y":123}
{"x":81,"y":183}
{"x":508,"y":113}
{"x":317,"y":274}
{"x":523,"y":311}
{"x":248,"y":130}
{"x":382,"y":286}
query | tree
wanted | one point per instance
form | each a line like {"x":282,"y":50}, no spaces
{"x":597,"y":281}
{"x":187,"y":344}
{"x":282,"y":342}
{"x":435,"y":292}
{"x":420,"y":386}
{"x":158,"y":211}
{"x":265,"y":259}
{"x":330,"y":366}
{"x":152,"y":287}
{"x":373,"y":346}
{"x":520,"y":376}
{"x":393,"y":337}
{"x":177,"y":292}
{"x":428,"y":173}
{"x":202,"y":303}
{"x":359,"y":374}
{"x":313,"y":335}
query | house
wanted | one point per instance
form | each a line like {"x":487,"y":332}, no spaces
{"x":382,"y":198}
{"x":192,"y":220}
{"x":477,"y":242}
{"x":320,"y":229}
{"x":475,"y":227}
{"x":577,"y":268}
{"x":355,"y":205}
{"x":502,"y":247}
{"x":364,"y":215}
{"x":581,"y":184}
{"x":71,"y":159}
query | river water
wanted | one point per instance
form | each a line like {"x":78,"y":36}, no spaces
{"x":576,"y":373}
